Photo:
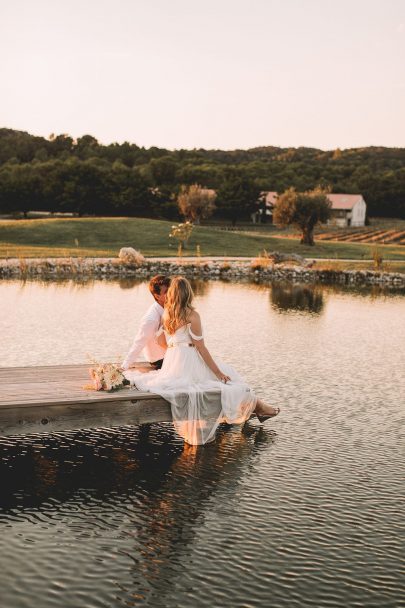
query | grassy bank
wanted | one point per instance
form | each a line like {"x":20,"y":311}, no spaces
{"x":387,"y":266}
{"x":103,"y":237}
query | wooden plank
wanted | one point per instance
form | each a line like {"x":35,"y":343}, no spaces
{"x":45,"y":370}
{"x":97,"y":397}
{"x":54,"y":385}
{"x":52,"y":398}
{"x":58,"y":368}
{"x":53,"y":418}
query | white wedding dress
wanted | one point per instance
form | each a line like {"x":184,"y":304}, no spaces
{"x":199,"y":401}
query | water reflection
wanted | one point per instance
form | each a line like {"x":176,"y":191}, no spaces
{"x":173,"y":514}
{"x":201,"y":287}
{"x":129,"y":282}
{"x":244,"y":521}
{"x":304,"y":298}
{"x":34,"y":468}
{"x":164,"y":489}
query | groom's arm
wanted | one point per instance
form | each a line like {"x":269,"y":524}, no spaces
{"x":146,"y":332}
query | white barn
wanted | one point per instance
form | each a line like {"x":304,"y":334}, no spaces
{"x":347,"y":209}
{"x":270,"y":199}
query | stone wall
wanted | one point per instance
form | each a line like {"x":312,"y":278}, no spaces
{"x":236,"y":270}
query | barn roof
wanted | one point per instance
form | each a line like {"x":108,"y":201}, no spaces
{"x":271,"y":198}
{"x":344,"y":201}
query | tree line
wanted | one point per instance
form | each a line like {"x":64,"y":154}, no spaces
{"x":83,"y":176}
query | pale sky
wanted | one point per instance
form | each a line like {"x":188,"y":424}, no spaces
{"x":206,"y":73}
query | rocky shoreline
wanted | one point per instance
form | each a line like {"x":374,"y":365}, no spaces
{"x":57,"y":268}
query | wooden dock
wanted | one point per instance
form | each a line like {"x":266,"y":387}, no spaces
{"x":52,"y":398}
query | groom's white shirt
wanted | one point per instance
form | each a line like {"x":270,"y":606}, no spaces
{"x":145,"y":339}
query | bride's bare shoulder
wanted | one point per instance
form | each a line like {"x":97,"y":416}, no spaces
{"x":193,"y":316}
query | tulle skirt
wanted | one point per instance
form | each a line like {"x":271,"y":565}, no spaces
{"x":199,"y":401}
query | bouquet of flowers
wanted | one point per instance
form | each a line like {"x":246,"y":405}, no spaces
{"x":107,"y":377}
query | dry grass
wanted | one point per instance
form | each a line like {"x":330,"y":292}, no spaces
{"x":225,"y":265}
{"x":378,"y":258}
{"x":263,"y":260}
{"x":387,"y":266}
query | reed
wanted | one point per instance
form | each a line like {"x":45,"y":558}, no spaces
{"x":377,"y":257}
{"x":262,"y":260}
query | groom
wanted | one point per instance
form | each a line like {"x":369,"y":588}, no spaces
{"x":150,"y":323}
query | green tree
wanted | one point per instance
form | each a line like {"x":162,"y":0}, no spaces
{"x":237,"y":197}
{"x":209,"y":174}
{"x":163,"y":170}
{"x":164,"y":203}
{"x":131,"y":194}
{"x":60,"y":144}
{"x":52,"y":184}
{"x":86,"y":147}
{"x":86,"y":188}
{"x":20,"y":188}
{"x":304,"y":210}
{"x":375,"y":172}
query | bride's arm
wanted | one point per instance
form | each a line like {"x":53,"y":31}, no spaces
{"x":160,"y":338}
{"x":198,"y":341}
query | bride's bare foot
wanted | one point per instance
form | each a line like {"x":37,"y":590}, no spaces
{"x":264,"y":411}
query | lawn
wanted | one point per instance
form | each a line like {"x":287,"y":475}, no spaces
{"x":103,"y":237}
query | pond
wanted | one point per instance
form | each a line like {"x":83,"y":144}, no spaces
{"x":304,"y":511}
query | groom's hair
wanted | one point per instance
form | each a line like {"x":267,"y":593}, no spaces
{"x":156,"y":283}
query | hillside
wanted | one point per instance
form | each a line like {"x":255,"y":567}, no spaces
{"x":58,"y":173}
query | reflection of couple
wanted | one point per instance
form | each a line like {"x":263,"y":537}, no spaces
{"x":202,"y":393}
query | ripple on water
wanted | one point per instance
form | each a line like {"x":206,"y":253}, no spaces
{"x":307,"y":511}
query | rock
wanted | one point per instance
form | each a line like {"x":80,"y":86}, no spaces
{"x":280,"y":258}
{"x":129,"y":255}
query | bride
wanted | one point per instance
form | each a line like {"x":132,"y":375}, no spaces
{"x":202,"y":393}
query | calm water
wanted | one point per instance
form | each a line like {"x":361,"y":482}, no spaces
{"x":306,"y":511}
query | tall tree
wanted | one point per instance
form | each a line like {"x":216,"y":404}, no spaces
{"x":20,"y":188}
{"x":87,"y":146}
{"x":304,"y":210}
{"x":196,"y":203}
{"x":60,"y":144}
{"x":86,"y":188}
{"x":237,"y":196}
{"x":163,"y":170}
{"x":130,"y":192}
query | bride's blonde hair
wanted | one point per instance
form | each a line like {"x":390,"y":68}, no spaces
{"x":178,"y":304}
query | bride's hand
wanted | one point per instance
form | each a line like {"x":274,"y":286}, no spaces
{"x":222,"y":377}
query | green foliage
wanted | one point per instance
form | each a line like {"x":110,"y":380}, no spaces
{"x":237,"y":196}
{"x":163,"y":170}
{"x":304,"y":210}
{"x":130,"y":193}
{"x":20,"y":186}
{"x":238,"y":176}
